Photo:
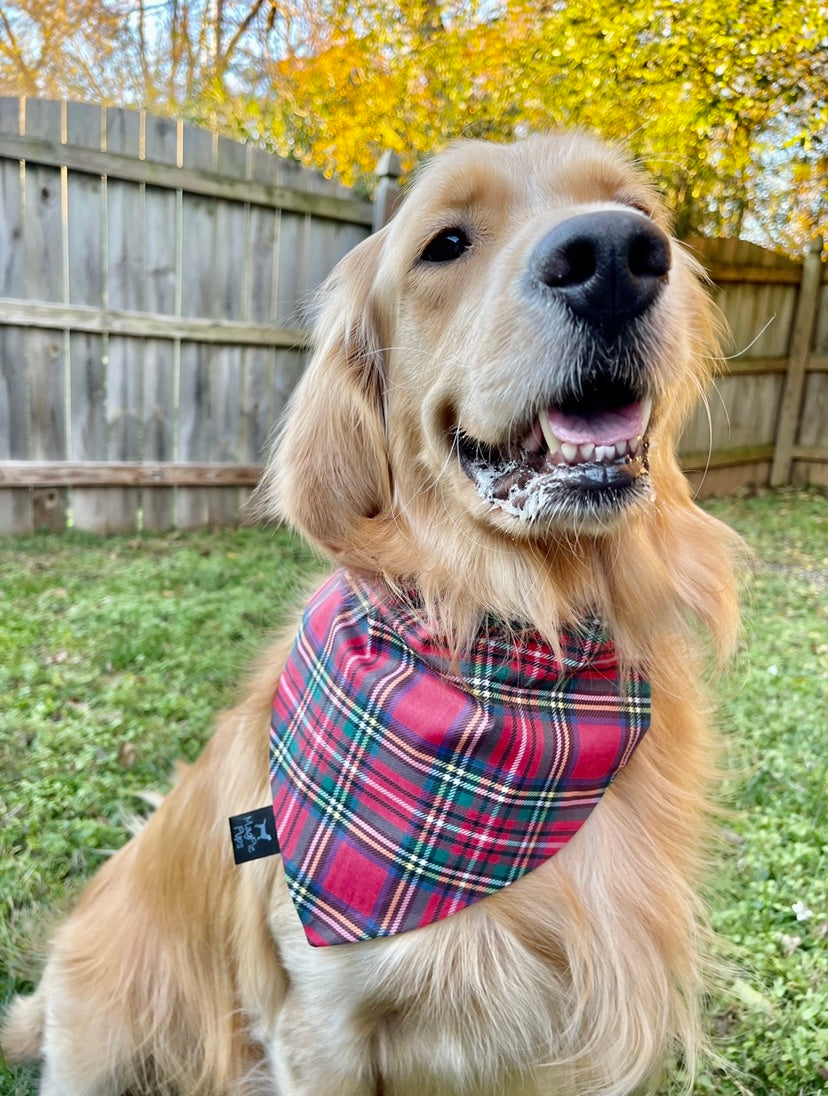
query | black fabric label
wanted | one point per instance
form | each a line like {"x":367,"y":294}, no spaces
{"x":254,"y":835}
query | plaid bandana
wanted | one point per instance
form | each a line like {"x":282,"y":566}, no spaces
{"x":407,"y":786}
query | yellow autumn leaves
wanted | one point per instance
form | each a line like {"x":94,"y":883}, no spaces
{"x":724,"y":100}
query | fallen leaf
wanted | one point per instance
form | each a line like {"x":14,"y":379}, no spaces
{"x":126,"y":755}
{"x":789,"y":944}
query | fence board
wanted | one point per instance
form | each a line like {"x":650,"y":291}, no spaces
{"x":193,"y":432}
{"x":16,"y":508}
{"x":230,"y":301}
{"x":197,"y":298}
{"x":759,"y":318}
{"x":48,"y":428}
{"x":161,"y":139}
{"x":124,"y":417}
{"x":125,"y":281}
{"x":289,"y":366}
{"x":16,"y":514}
{"x":225,"y":408}
{"x":161,"y":233}
{"x":256,"y":417}
{"x":261,"y":271}
{"x":45,"y":278}
{"x":160,"y":225}
{"x":323,"y":251}
{"x":85,"y":229}
{"x":198,"y":256}
{"x":10,"y":125}
{"x":158,"y":426}
{"x":90,"y":510}
{"x":813,"y":427}
{"x":86,"y":211}
{"x":11,"y":229}
{"x":292,"y":276}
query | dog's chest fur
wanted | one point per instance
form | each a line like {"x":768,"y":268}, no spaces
{"x":460,"y":1006}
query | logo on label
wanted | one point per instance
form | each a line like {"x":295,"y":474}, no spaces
{"x":254,"y":835}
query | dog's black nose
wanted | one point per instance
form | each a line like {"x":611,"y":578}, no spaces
{"x":607,"y":267}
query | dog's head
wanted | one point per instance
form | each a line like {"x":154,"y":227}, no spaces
{"x":509,"y":361}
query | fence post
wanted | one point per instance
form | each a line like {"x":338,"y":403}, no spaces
{"x":798,"y":354}
{"x":387,"y":193}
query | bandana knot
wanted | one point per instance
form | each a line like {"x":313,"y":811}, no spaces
{"x":408,"y":783}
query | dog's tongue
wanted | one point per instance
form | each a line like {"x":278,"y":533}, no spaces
{"x":598,"y":427}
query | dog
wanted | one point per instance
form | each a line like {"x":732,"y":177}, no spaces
{"x":484,"y":447}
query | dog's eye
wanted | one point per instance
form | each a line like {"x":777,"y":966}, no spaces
{"x":640,"y":207}
{"x":446,"y":246}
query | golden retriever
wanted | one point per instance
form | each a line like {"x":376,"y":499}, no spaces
{"x":485,"y":438}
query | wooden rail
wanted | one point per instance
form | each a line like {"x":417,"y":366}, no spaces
{"x":126,"y":474}
{"x":112,"y":165}
{"x":149,"y":325}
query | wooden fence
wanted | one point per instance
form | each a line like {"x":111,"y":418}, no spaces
{"x":152,"y":277}
{"x":766,"y":420}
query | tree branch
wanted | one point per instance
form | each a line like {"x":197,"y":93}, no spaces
{"x":16,"y":55}
{"x":223,"y":61}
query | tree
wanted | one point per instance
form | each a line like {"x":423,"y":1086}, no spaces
{"x":172,"y":56}
{"x":723,"y":100}
{"x":65,"y":49}
{"x":711,"y":95}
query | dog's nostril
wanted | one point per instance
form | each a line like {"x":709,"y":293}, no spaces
{"x":570,"y":265}
{"x":649,"y":255}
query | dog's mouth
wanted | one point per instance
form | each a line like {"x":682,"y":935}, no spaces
{"x":579,"y":457}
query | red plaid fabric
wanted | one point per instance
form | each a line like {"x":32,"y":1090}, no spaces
{"x":407,"y":785}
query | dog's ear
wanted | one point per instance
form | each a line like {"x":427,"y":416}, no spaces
{"x":328,"y":471}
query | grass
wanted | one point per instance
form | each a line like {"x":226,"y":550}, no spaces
{"x":116,"y":653}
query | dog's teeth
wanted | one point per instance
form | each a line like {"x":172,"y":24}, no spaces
{"x":552,"y":442}
{"x":573,"y":453}
{"x":646,"y":411}
{"x":533,"y":441}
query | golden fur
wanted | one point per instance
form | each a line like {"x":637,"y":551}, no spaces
{"x":178,"y":968}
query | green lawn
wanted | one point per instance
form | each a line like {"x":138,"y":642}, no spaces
{"x":114,"y":655}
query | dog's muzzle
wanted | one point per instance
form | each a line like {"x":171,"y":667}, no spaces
{"x":582,"y":451}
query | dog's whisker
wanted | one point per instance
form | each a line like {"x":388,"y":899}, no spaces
{"x":705,"y":403}
{"x":753,"y":341}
